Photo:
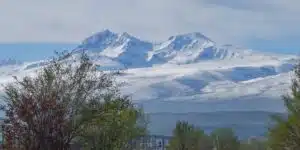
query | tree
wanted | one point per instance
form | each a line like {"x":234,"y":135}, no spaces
{"x":188,"y":137}
{"x":121,"y":123}
{"x":225,"y":139}
{"x":285,"y":134}
{"x":63,"y":103}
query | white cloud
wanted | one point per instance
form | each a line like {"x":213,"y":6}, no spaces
{"x":233,"y":21}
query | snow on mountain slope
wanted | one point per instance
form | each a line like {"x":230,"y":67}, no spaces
{"x":187,"y":89}
{"x":185,"y":73}
{"x":124,"y":48}
{"x":201,"y":78}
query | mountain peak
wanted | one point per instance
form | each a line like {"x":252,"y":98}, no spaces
{"x":191,"y":35}
{"x":105,"y":32}
{"x":188,"y":39}
{"x":127,"y":36}
{"x":106,"y":38}
{"x":99,"y":40}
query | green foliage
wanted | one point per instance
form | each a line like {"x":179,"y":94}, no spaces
{"x":69,"y":101}
{"x":120,"y":123}
{"x":225,"y":139}
{"x":285,"y":134}
{"x":188,"y":137}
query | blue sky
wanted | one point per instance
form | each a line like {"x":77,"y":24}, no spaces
{"x":269,"y":25}
{"x":286,"y":45}
{"x":32,"y":51}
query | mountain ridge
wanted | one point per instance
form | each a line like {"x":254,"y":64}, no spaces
{"x":179,"y":49}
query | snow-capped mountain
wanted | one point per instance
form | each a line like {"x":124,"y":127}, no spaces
{"x":185,"y":73}
{"x":180,"y":49}
{"x":191,"y":72}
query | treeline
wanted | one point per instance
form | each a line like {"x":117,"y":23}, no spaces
{"x":69,"y":101}
{"x":188,"y":137}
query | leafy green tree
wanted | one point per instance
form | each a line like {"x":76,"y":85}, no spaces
{"x":285,"y":134}
{"x":68,"y":100}
{"x":121,"y":123}
{"x":225,"y":139}
{"x":189,"y":137}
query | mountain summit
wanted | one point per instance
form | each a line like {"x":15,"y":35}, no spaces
{"x":124,"y":48}
{"x":99,"y":40}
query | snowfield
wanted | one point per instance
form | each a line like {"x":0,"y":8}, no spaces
{"x":185,"y":73}
{"x":193,"y":88}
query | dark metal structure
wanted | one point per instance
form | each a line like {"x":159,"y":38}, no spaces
{"x":151,"y":142}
